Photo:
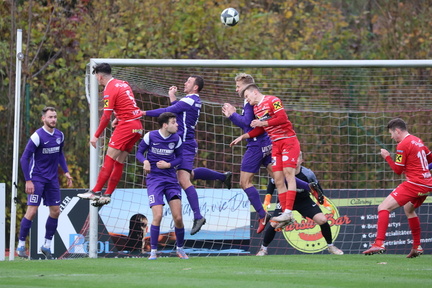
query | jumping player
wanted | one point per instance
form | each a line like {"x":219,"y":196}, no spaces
{"x":271,"y":118}
{"x":188,"y":110}
{"x":258,"y":151}
{"x":412,"y":158}
{"x":118,"y":98}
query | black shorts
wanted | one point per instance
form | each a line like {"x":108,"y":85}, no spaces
{"x":302,"y":204}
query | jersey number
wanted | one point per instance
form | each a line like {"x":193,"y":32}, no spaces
{"x":423,"y":160}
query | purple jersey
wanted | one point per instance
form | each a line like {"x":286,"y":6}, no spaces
{"x":243,"y":121}
{"x":159,"y":148}
{"x":187,"y":110}
{"x":42,"y":156}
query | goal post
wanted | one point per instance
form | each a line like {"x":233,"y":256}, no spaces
{"x":339,"y":109}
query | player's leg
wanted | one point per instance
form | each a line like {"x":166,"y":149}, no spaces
{"x":414,"y":224}
{"x":157,"y":211}
{"x":202,"y":173}
{"x":384,"y":209}
{"x":176,"y":211}
{"x":33,"y":202}
{"x":269,"y":234}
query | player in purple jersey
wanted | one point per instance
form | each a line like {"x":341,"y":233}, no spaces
{"x":188,"y":110}
{"x":39,"y":163}
{"x":258,"y":151}
{"x":164,"y":153}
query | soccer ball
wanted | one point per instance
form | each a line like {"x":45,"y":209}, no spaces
{"x":230,"y":17}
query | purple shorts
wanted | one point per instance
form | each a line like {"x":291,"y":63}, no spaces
{"x":49,"y":192}
{"x":156,"y":189}
{"x":254,"y":157}
{"x":189,"y":152}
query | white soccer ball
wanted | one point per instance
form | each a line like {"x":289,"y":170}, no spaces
{"x":230,"y":17}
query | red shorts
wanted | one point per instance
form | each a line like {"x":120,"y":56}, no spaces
{"x":285,"y":153}
{"x":409,"y":192}
{"x":125,"y":135}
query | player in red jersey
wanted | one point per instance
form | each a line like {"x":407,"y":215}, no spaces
{"x":412,"y":158}
{"x":118,"y":98}
{"x":272,"y":118}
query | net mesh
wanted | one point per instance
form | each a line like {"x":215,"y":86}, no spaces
{"x":340,"y":117}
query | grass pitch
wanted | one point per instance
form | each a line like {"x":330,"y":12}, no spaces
{"x":224,"y":271}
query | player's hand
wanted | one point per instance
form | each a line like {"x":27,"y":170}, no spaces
{"x":258,"y":123}
{"x":228,"y":109}
{"x":114,"y":123}
{"x":93,"y":141}
{"x":147,"y":167}
{"x":236,"y":141}
{"x":384,"y":153}
{"x":163,"y":164}
{"x":143,"y":113}
{"x":172,"y":93}
{"x":29,"y":187}
{"x":69,"y":179}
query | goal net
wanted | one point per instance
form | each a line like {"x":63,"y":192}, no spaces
{"x":339,"y":110}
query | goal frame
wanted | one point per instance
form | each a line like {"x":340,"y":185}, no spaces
{"x":208,"y":63}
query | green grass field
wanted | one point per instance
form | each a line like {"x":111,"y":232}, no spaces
{"x":225,"y":271}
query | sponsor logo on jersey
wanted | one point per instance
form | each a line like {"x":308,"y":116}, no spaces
{"x":277,"y":105}
{"x":106,"y":103}
{"x":399,"y":158}
{"x":305,"y":235}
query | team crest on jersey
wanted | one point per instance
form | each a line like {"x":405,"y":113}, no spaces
{"x":171,"y":145}
{"x":277,"y":105}
{"x":399,"y":158}
{"x":58,"y":140}
{"x":106,"y":102}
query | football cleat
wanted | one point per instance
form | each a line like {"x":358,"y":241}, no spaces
{"x":263,"y":222}
{"x":317,"y":192}
{"x":415,"y":252}
{"x":90,"y":195}
{"x":21,"y":251}
{"x":47,"y":253}
{"x":182,"y":254}
{"x":284,"y":217}
{"x":197,"y":224}
{"x":262,"y":252}
{"x":375,"y":249}
{"x":227,"y":181}
{"x":103,"y":200}
{"x":153,"y":255}
{"x":334,"y":250}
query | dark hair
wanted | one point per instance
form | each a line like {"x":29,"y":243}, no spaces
{"x":397,"y":123}
{"x":104,"y":68}
{"x":48,"y":108}
{"x":251,"y":86}
{"x":199,"y":81}
{"x":164,"y":118}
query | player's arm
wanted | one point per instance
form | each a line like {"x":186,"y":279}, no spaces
{"x":63,"y":165}
{"x":178,"y":154}
{"x":243,"y":121}
{"x":103,"y":123}
{"x":239,"y":139}
{"x":25,"y":161}
{"x":176,"y":108}
{"x":398,"y":169}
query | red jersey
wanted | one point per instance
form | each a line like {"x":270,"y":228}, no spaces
{"x":270,"y":109}
{"x":118,"y":98}
{"x":412,"y":157}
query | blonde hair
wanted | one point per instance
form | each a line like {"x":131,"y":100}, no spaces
{"x":244,"y":78}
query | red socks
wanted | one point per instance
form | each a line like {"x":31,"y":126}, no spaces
{"x":414,"y":224}
{"x":383,"y":220}
{"x":111,"y":170}
{"x":115,"y":177}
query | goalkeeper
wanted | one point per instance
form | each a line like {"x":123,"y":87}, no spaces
{"x":305,"y":206}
